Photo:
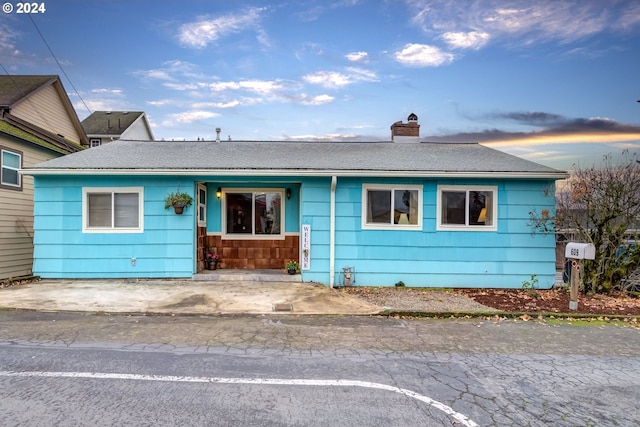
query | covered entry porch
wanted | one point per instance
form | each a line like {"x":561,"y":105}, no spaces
{"x":249,"y":225}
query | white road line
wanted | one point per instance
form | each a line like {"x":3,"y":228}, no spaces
{"x":462,"y":419}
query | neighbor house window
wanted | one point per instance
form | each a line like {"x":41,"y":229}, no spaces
{"x":96,"y":142}
{"x":467,"y":208}
{"x":391,"y":206}
{"x":254,"y":213}
{"x":112,"y":210}
{"x":10,"y":163}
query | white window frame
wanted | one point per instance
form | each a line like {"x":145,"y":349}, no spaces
{"x":95,"y":142}
{"x":466,"y":227}
{"x":112,"y":190}
{"x":17,"y":186}
{"x":253,"y":235}
{"x":391,"y":187}
{"x":201,"y":206}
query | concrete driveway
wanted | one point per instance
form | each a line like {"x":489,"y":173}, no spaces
{"x":182,"y":297}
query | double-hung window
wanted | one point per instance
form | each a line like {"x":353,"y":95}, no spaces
{"x":391,"y":207}
{"x":112,"y":210}
{"x":253,"y":214}
{"x":10,"y":163}
{"x":467,"y":208}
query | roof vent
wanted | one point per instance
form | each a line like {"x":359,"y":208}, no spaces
{"x":218,"y":130}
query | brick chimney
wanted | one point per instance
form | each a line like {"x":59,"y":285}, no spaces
{"x":406,"y":132}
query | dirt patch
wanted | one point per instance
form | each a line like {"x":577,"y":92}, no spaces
{"x":416,"y":300}
{"x":507,"y":300}
{"x":554,"y":301}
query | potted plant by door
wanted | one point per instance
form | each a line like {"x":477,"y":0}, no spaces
{"x":212,"y":260}
{"x":179,"y":201}
{"x":292,"y":266}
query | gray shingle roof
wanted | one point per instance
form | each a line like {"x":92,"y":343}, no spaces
{"x":14,"y":88}
{"x":304,"y":158}
{"x":109,"y":122}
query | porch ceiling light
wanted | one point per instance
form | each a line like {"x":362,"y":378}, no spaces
{"x":219,"y":192}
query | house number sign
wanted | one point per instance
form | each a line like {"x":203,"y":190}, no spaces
{"x":305,"y":264}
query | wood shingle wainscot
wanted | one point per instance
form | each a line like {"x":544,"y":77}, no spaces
{"x":250,"y":254}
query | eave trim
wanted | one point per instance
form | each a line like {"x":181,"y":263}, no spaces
{"x":289,"y":172}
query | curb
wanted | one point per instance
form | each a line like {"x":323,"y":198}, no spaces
{"x":506,"y":314}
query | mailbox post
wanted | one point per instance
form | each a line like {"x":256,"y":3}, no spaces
{"x":577,"y":251}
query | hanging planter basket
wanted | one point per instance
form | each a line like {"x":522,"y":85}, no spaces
{"x":179,"y":201}
{"x":178,"y":208}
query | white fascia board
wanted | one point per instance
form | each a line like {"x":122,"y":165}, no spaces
{"x":288,"y":172}
{"x":104,"y":135}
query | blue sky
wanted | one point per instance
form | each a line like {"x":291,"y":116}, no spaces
{"x":554,"y":81}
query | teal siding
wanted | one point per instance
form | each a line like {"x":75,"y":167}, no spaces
{"x":428,"y":257}
{"x":315,"y":194}
{"x":62,"y":250}
{"x":166,"y":248}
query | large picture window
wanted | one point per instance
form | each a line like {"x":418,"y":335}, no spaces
{"x":10,"y":164}
{"x":254,"y":213}
{"x":391,"y":207}
{"x":467,"y":208}
{"x":107,"y":210}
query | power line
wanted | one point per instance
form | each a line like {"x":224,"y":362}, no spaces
{"x":58,"y":62}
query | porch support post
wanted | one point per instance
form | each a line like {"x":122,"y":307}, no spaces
{"x":332,"y":232}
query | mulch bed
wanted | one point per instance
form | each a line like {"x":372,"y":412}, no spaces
{"x":554,"y":301}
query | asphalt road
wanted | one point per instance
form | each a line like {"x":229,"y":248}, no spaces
{"x":70,"y":370}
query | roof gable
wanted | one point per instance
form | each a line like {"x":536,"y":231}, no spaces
{"x":39,"y":106}
{"x":14,"y":89}
{"x":109,"y":122}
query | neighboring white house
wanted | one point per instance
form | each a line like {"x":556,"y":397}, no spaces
{"x":103,"y":127}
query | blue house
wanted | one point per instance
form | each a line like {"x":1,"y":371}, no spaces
{"x":427,"y":214}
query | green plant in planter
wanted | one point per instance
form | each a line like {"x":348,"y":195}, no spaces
{"x":178,"y":200}
{"x":292,"y":266}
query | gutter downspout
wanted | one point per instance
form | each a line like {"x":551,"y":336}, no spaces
{"x":332,"y":232}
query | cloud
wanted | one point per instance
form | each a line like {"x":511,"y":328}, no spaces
{"x":206,"y":30}
{"x":422,"y":55}
{"x":189,"y":117}
{"x":317,"y":100}
{"x":330,"y":79}
{"x":321,"y":138}
{"x":472,"y":24}
{"x":7,"y":39}
{"x":108,"y":91}
{"x":160,"y":102}
{"x":561,"y":131}
{"x":173,"y":71}
{"x":357,"y":56}
{"x":221,"y":105}
{"x":630,"y":19}
{"x":334,"y":79}
{"x":261,"y":87}
{"x":461,"y":40}
{"x":532,"y":118}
